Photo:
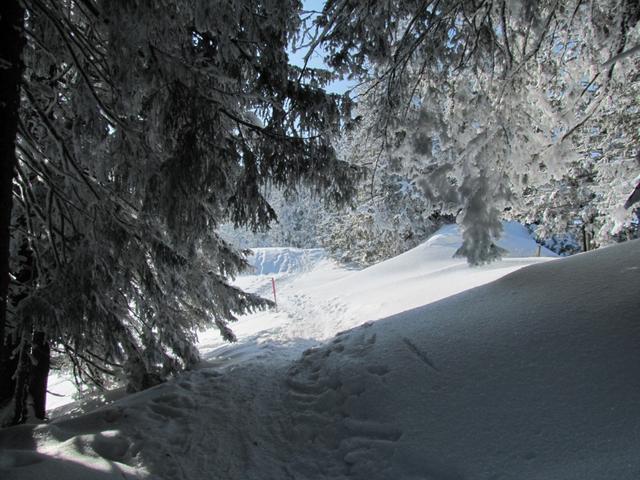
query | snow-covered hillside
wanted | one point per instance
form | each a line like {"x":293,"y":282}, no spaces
{"x":533,"y":376}
{"x":318,"y":298}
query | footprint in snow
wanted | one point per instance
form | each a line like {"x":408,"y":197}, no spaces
{"x":368,"y":447}
{"x":111,"y":445}
{"x":321,"y":403}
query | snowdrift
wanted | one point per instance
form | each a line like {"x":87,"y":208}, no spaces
{"x":274,"y":260}
{"x":318,"y":297}
{"x":533,"y":376}
{"x":515,"y":239}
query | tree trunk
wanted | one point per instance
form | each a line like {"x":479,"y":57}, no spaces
{"x":11,"y":46}
{"x":40,"y":352}
{"x":31,"y":367}
{"x":31,"y":376}
{"x":22,"y":373}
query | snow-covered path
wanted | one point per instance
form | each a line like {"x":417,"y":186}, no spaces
{"x":540,"y":384}
{"x":533,"y":376}
{"x":318,"y":298}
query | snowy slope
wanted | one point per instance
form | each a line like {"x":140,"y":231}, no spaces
{"x":317,"y":298}
{"x":533,"y":376}
{"x":271,"y":261}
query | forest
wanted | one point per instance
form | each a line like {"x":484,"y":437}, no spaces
{"x":146,"y":144}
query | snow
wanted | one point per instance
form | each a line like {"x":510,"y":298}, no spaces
{"x":284,"y":260}
{"x":317,"y":298}
{"x":526,"y":373}
{"x":60,"y":390}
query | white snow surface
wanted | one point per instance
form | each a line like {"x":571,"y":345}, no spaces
{"x":317,"y":298}
{"x":532,"y":374}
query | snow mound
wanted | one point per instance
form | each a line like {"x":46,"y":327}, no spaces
{"x":318,"y":297}
{"x":515,"y":239}
{"x":425,"y":274}
{"x":268,"y":261}
{"x":533,"y":376}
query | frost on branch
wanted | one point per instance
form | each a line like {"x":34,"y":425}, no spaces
{"x":144,"y":126}
{"x":531,"y":93}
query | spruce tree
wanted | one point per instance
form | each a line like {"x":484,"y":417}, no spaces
{"x":508,"y":97}
{"x":143,"y":127}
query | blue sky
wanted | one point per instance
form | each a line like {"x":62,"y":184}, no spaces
{"x":316,"y":61}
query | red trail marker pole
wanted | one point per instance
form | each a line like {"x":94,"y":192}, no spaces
{"x":273,"y":285}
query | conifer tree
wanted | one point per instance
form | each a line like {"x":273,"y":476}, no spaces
{"x":493,"y":99}
{"x":143,"y":126}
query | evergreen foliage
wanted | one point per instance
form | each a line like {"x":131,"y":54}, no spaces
{"x":391,"y":212}
{"x":497,"y":109}
{"x":300,"y":216}
{"x":143,"y":126}
{"x":134,"y":129}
